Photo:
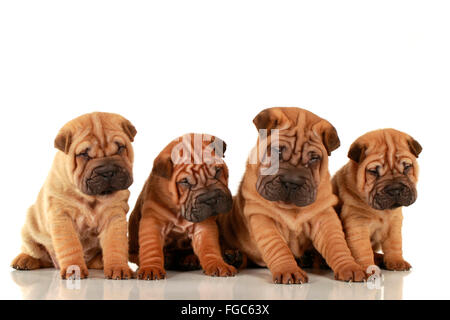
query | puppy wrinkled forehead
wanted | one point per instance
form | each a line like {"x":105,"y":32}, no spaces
{"x":391,"y":146}
{"x":99,"y":132}
{"x":197,"y":149}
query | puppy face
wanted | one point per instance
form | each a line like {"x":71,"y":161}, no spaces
{"x":197,"y":176}
{"x":304,"y":143}
{"x":387,"y":168}
{"x":99,"y":152}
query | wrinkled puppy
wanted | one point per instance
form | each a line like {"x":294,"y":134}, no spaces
{"x":284,"y":206}
{"x":176,"y":210}
{"x":373,"y":186}
{"x":79,"y":218}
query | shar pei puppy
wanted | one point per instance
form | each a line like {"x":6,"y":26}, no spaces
{"x":284,"y":206}
{"x":174,"y":220}
{"x":378,"y":181}
{"x":79,"y":218}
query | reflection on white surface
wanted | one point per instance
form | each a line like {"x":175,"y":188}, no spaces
{"x":248,"y":284}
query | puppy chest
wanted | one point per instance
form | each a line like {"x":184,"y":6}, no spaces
{"x":178,"y":235}
{"x":88,"y":235}
{"x":297,"y":241}
{"x":379,"y":229}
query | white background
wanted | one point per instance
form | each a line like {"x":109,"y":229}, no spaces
{"x":173,"y":67}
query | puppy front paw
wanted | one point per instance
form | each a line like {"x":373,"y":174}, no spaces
{"x":396,"y":264}
{"x":350,"y":272}
{"x":218,"y":268}
{"x":289,"y":275}
{"x":25,"y":262}
{"x":118,"y":272}
{"x":74,"y":271}
{"x":151,"y":273}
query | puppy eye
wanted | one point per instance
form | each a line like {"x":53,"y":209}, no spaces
{"x":120,"y":148}
{"x":375,"y":172}
{"x":184,"y":182}
{"x":219,"y":171}
{"x":314,"y":157}
{"x":85,"y":154}
{"x":275,"y":150}
{"x":407,"y":167}
{"x":278,"y":151}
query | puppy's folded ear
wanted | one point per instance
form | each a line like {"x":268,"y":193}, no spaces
{"x":266,"y":119}
{"x":414,"y":147}
{"x":357,"y":152}
{"x":63,"y":140}
{"x":325,"y":131}
{"x":331,"y":139}
{"x":129,"y":129}
{"x":219,"y":147}
{"x":163,"y":167}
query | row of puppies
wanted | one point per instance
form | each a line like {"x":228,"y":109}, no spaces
{"x":80,"y":215}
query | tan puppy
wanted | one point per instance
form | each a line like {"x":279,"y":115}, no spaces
{"x":79,"y":218}
{"x":373,"y":187}
{"x":279,"y":214}
{"x":176,"y":210}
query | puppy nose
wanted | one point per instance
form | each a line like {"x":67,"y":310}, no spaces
{"x":292,"y":181}
{"x":209,"y":198}
{"x":395,"y":189}
{"x":290,"y":186}
{"x":106,"y":171}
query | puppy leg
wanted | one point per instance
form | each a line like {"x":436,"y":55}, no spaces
{"x":357,"y":235}
{"x":275,"y":252}
{"x":114,"y":243}
{"x":67,"y":246}
{"x":329,"y":239}
{"x":151,"y":256}
{"x":205,"y":243}
{"x":392,"y":247}
{"x":33,"y":254}
{"x":26,"y":262}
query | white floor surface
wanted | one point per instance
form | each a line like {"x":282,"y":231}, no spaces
{"x":248,"y":284}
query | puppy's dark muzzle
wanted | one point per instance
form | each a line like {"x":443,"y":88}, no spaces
{"x":108,"y":178}
{"x":394,"y":195}
{"x":292,"y":183}
{"x":210,"y":203}
{"x":291,"y":187}
{"x":298,"y":190}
